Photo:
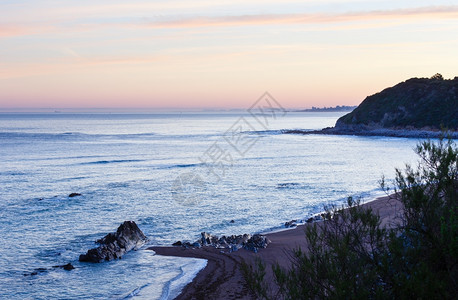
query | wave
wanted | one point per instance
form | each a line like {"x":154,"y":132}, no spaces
{"x":13,"y":173}
{"x":179,"y":166}
{"x":187,"y":273}
{"x":135,"y":292}
{"x":288,"y":185}
{"x":173,"y":287}
{"x":71,"y":135}
{"x":104,"y":162}
{"x":68,"y":179}
{"x":274,"y":131}
{"x":265,"y":132}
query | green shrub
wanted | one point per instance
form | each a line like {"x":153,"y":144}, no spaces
{"x":353,"y":257}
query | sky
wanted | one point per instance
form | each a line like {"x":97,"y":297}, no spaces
{"x":218,"y":54}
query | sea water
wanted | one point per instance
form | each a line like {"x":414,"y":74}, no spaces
{"x":126,"y":167}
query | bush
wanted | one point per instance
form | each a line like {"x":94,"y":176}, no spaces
{"x":353,"y":257}
{"x":424,"y":248}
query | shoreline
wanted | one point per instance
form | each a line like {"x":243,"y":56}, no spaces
{"x":222,"y":277}
{"x":406,"y":133}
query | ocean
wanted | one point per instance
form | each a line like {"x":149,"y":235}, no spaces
{"x":176,"y":175}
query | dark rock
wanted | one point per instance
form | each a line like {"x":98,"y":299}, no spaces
{"x":177,"y":243}
{"x":256,"y":242}
{"x":233,"y":242}
{"x":67,"y":267}
{"x":74,"y":195}
{"x":310,"y":220}
{"x":291,"y":223}
{"x":114,"y":245}
{"x":187,"y":245}
{"x":232,"y":221}
{"x":205,"y":238}
{"x":36,"y":272}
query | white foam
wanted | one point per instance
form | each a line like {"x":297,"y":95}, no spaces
{"x":174,"y":287}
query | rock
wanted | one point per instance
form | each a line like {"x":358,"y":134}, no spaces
{"x":196,"y":245}
{"x":114,"y":245}
{"x":310,"y":220}
{"x":187,"y":245}
{"x":256,"y":242}
{"x":235,"y":248}
{"x":177,"y":243}
{"x":233,"y":242}
{"x":67,"y":267}
{"x":232,"y":221}
{"x":206,"y":239}
{"x":74,"y":195}
{"x":291,"y":223}
{"x":36,"y":272}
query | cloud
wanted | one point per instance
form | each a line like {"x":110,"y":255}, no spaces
{"x":12,"y":30}
{"x":434,"y":12}
{"x":8,"y":30}
{"x":69,"y":64}
{"x":398,"y":15}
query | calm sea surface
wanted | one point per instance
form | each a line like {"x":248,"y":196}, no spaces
{"x":176,"y":175}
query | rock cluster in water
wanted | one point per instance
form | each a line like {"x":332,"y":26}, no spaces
{"x":67,"y":267}
{"x":232,"y":242}
{"x":114,"y":245}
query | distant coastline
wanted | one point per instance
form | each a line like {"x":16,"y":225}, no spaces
{"x":338,"y":108}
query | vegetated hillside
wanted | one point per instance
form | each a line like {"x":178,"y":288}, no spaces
{"x":418,"y":103}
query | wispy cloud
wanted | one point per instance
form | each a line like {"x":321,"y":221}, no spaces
{"x":68,"y":65}
{"x":401,"y":15}
{"x":433,"y":12}
{"x":11,"y":30}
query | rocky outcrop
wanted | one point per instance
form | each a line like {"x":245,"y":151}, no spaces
{"x":74,"y":195}
{"x":425,"y":104}
{"x":231,"y":242}
{"x":418,"y":107}
{"x":114,"y":245}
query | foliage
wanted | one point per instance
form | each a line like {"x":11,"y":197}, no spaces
{"x":341,"y":260}
{"x":437,"y":76}
{"x":424,"y":249}
{"x":255,"y":278}
{"x":354,"y":257}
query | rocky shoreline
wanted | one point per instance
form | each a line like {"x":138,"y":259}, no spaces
{"x":245,"y":241}
{"x":232,"y":242}
{"x":361,"y":130}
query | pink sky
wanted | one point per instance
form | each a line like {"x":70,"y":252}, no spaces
{"x":205,"y":54}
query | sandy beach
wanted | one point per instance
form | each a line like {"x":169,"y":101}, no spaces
{"x":222,"y":277}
